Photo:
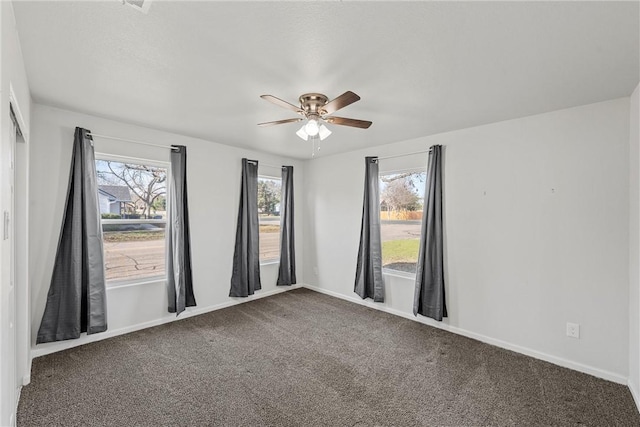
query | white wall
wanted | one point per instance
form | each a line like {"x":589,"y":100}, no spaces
{"x":214,"y":189}
{"x":13,"y":88}
{"x":536,"y":232}
{"x":634,"y":245}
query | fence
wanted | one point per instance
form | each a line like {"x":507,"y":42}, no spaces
{"x":400,"y":215}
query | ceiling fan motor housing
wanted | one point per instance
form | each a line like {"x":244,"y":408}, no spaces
{"x":312,"y":103}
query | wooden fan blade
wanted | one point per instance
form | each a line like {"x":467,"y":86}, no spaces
{"x":281,"y":103}
{"x":363,"y":124}
{"x":280,"y":122}
{"x":342,"y":101}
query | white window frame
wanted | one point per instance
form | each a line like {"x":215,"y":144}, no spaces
{"x":139,"y":161}
{"x":389,"y":271}
{"x":274,"y":260}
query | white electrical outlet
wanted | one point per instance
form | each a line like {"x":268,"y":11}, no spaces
{"x":573,"y":330}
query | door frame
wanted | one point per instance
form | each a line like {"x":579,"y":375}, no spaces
{"x":21,"y":244}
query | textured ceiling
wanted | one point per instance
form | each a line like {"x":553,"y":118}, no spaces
{"x":198,"y":68}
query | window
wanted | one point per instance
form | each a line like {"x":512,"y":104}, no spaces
{"x":133,"y":207}
{"x":401,"y":200}
{"x":269,"y":190}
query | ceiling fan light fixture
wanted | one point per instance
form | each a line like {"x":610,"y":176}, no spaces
{"x":312,"y":128}
{"x":324,"y":132}
{"x":302,"y":134}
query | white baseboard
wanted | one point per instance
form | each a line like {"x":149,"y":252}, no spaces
{"x":26,"y":378}
{"x":14,"y":416}
{"x":596,"y":372}
{"x":636,"y":395}
{"x":49,"y":348}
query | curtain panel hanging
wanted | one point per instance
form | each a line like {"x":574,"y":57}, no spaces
{"x":429,"y":296}
{"x":245,"y":279}
{"x":179,"y":276}
{"x":287,"y":269}
{"x":369,"y":282}
{"x":76,"y":301}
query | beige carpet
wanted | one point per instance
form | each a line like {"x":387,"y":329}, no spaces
{"x":305,"y":359}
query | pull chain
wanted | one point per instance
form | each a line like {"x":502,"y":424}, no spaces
{"x":315,"y":147}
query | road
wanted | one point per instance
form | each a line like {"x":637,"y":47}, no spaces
{"x":398,"y":230}
{"x":146,"y":258}
{"x":269,"y":246}
{"x":142,"y":259}
{"x":134,"y":260}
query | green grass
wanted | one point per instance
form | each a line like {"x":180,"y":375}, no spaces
{"x":400,"y":250}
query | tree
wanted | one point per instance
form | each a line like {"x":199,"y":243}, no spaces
{"x":147,"y":183}
{"x":268,"y":196}
{"x":160,"y":204}
{"x":399,"y":194}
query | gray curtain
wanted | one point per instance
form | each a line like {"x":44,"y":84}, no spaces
{"x":369,"y":282}
{"x":429,"y":297}
{"x":76,"y":301}
{"x":179,"y":279}
{"x":287,"y":269}
{"x":245,"y":279}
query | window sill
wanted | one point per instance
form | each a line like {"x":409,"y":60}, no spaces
{"x":401,"y":274}
{"x":119,"y":284}
{"x":275,"y":261}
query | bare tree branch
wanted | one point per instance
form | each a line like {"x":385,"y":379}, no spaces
{"x":143,"y":181}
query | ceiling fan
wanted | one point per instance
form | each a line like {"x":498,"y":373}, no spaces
{"x":316,"y":107}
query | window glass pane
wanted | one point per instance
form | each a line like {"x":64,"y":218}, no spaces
{"x":134,"y":251}
{"x":133,"y":207}
{"x":269,"y":190}
{"x":401,"y":199}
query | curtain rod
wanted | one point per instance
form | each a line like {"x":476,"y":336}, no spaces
{"x":405,"y":154}
{"x":264,"y":164}
{"x":131,"y":140}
